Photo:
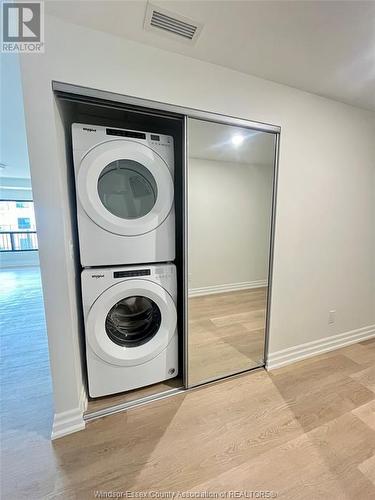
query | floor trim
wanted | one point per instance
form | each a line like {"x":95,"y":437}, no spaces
{"x":228,"y":287}
{"x":120,"y":407}
{"x":70,"y":421}
{"x":291,"y":355}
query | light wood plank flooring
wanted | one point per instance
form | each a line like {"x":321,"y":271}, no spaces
{"x":305,"y":431}
{"x":26,"y":389}
{"x":226,"y":333}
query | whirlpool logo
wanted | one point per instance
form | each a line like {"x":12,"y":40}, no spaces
{"x":97,"y":276}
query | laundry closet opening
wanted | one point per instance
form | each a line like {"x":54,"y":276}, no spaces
{"x":144,"y":314}
{"x":173,"y":213}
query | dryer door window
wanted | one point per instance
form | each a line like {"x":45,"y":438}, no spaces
{"x":133,"y":321}
{"x":127,"y":189}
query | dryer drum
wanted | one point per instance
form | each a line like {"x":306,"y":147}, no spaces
{"x":133,"y":321}
{"x":127,"y":189}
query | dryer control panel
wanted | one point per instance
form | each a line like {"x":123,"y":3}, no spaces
{"x":87,"y":137}
{"x":153,"y":139}
{"x":132,"y":274}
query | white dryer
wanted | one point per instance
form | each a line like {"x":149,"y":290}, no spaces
{"x":130,"y":326}
{"x":125,"y":195}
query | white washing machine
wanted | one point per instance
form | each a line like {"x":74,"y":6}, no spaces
{"x":130,"y":326}
{"x":125,"y":195}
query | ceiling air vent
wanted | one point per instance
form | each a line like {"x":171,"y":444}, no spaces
{"x":171,"y":24}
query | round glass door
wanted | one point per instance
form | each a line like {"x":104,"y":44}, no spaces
{"x":133,"y":321}
{"x":127,"y":189}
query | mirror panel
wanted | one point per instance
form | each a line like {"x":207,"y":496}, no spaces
{"x":230,"y":192}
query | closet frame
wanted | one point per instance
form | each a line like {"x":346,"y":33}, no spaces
{"x":76,"y":93}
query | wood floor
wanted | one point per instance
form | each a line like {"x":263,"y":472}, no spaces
{"x":26,"y":389}
{"x":226,"y":333}
{"x":305,"y":431}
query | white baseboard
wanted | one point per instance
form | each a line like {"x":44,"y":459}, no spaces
{"x":303,"y":351}
{"x":70,"y":421}
{"x":228,"y":287}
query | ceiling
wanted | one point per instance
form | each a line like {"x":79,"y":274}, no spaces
{"x":213,"y":141}
{"x":324,"y":47}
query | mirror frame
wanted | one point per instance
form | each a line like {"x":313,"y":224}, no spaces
{"x":274,"y":130}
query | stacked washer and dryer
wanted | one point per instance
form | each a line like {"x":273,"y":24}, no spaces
{"x":126,"y":228}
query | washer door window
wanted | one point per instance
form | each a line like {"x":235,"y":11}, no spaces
{"x":125,"y":187}
{"x":131,"y":322}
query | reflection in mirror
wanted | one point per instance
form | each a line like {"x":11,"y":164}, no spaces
{"x":230,"y":176}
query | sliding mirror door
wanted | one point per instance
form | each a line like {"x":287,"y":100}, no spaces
{"x":230,"y":193}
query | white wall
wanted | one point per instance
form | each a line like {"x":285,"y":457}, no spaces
{"x":13,"y":142}
{"x":229,"y":223}
{"x":15,"y":181}
{"x":325,"y":241}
